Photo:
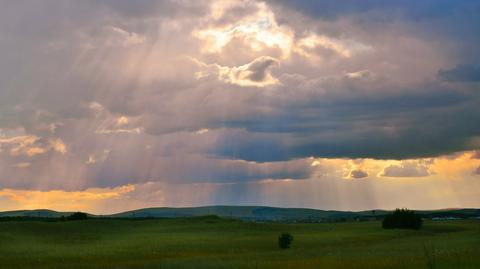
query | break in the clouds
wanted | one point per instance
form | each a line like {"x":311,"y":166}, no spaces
{"x":122,"y":95}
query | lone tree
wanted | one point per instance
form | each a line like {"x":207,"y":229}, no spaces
{"x":402,"y":219}
{"x":284,"y":240}
{"x":77,"y":216}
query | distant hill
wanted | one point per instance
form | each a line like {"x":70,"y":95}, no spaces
{"x":251,"y":213}
{"x":37,"y":213}
{"x":257,"y":213}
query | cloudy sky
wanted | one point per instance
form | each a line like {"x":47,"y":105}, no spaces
{"x":114,"y":105}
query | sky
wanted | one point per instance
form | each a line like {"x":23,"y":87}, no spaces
{"x":113,"y":105}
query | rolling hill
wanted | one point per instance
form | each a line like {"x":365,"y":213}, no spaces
{"x":250,"y":213}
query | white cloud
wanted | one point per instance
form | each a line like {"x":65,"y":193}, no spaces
{"x":407,"y":169}
{"x":362,"y":74}
{"x":124,"y":38}
{"x":317,"y":46}
{"x":91,"y":159}
{"x":258,"y":29}
{"x":202,"y":131}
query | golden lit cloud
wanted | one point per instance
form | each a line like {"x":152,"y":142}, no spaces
{"x":456,"y":166}
{"x":125,"y":131}
{"x":22,"y":165}
{"x":22,"y":145}
{"x":122,"y":121}
{"x":415,"y":168}
{"x":31,"y":145}
{"x":59,"y":146}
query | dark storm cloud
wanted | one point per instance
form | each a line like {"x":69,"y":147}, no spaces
{"x":430,"y":123}
{"x":331,"y":9}
{"x":461,"y":73}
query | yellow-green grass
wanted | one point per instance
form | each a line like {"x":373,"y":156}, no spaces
{"x":219,"y":243}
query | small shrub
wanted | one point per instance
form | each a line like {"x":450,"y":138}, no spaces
{"x":284,"y":240}
{"x":77,"y":216}
{"x":402,"y":219}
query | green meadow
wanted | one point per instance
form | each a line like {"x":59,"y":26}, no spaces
{"x":222,"y":243}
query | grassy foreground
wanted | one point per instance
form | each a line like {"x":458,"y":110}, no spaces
{"x":219,"y":243}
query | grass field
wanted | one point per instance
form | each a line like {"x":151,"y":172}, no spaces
{"x":219,"y":243}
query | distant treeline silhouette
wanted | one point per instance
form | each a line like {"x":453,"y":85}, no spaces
{"x":77,"y":216}
{"x":74,"y":216}
{"x":402,"y":219}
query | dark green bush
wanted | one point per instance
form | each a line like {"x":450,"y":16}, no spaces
{"x":402,"y":219}
{"x":77,"y":216}
{"x":284,"y":240}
